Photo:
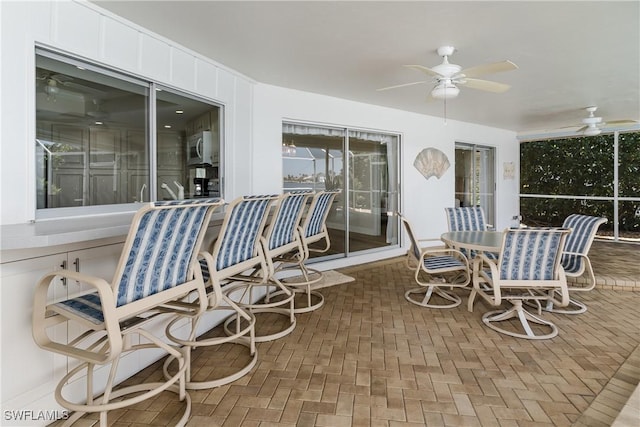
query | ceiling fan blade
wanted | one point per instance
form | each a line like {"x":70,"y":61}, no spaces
{"x":582,"y":129}
{"x":485,"y":85}
{"x":402,"y":85}
{"x":83,"y":88}
{"x":424,"y":69}
{"x":496,"y":67}
{"x":620,"y":122}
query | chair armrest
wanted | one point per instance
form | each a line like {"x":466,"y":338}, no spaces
{"x":41,"y":321}
{"x":574,"y":254}
{"x":480,"y":275}
{"x":435,"y":251}
{"x":214,"y":290}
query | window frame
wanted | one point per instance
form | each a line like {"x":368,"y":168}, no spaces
{"x":151,"y":86}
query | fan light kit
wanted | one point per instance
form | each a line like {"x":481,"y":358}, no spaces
{"x":591,"y":123}
{"x":447,"y":76}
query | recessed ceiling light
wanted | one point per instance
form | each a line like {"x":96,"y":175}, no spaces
{"x":167,"y":126}
{"x":179,"y":111}
{"x":99,"y":123}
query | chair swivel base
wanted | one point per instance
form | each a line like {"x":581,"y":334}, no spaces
{"x":228,"y":329}
{"x":574,"y":307}
{"x":117,"y":400}
{"x":302,"y":285}
{"x":266,"y":305}
{"x":426,"y":297}
{"x":493,"y":318}
{"x":239,"y":338}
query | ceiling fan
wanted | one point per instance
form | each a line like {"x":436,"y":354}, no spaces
{"x":52,"y":83}
{"x":447,"y":77}
{"x":592,"y":125}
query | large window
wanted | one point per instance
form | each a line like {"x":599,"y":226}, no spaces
{"x":363,"y":165}
{"x":597,"y":175}
{"x":105,"y":139}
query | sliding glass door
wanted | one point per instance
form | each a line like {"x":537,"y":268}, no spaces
{"x":363,"y":165}
{"x":475,"y":178}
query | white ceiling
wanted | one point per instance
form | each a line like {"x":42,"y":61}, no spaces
{"x":570,"y":54}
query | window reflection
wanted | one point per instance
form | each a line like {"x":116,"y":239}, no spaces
{"x":93,"y":145}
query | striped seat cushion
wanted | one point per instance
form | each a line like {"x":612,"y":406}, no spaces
{"x":316,"y":223}
{"x":583,"y":230}
{"x":466,"y":219}
{"x":530,"y":254}
{"x":283,"y":231}
{"x":87,"y":307}
{"x":244,"y":225}
{"x":162,"y":250}
{"x":442,"y":262}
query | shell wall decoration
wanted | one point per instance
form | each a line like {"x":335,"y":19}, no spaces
{"x":431,"y":162}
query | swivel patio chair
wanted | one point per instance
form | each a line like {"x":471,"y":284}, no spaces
{"x":575,"y":259}
{"x":233,"y":254}
{"x":314,"y":229}
{"x":528,"y":269}
{"x":436,"y":269}
{"x":158,"y":265}
{"x":468,"y":218}
{"x":281,"y":237}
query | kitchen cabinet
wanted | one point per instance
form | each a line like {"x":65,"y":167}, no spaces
{"x":28,"y":372}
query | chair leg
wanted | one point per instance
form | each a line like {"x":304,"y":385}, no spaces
{"x":308,"y":277}
{"x":133,"y":394}
{"x":517,"y":311}
{"x":281,"y":306}
{"x":244,"y":335}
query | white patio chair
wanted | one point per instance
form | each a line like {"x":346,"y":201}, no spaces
{"x":314,"y":229}
{"x":234,"y":253}
{"x":435,"y":270}
{"x":468,"y":218}
{"x":158,"y":265}
{"x":575,"y":259}
{"x":528,"y":269}
{"x":281,"y":237}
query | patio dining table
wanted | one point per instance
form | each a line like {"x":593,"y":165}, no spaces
{"x":479,"y":241}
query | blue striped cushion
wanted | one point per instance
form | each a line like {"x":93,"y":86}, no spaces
{"x":583,"y":230}
{"x":318,"y":215}
{"x":162,"y":249}
{"x":285,"y":222}
{"x":87,"y":307}
{"x":530,"y":254}
{"x":242,"y":232}
{"x":466,"y":219}
{"x":441,"y":262}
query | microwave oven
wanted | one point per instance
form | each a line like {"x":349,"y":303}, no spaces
{"x":201,"y":149}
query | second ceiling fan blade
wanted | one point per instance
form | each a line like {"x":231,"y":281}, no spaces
{"x":424,"y":69}
{"x":496,"y":67}
{"x":485,"y":85}
{"x":402,"y":85}
{"x":619,"y":122}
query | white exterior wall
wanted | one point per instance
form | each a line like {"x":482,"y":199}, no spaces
{"x":87,"y":31}
{"x":422,"y":200}
{"x":253,"y":117}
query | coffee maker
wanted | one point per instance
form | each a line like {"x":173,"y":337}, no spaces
{"x":201,"y":187}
